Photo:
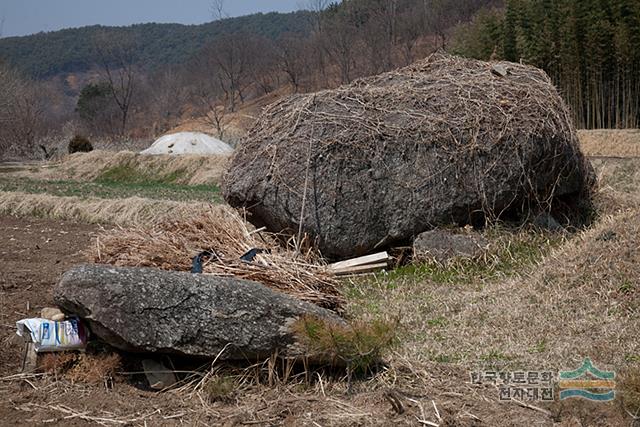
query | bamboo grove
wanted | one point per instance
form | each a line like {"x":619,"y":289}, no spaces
{"x":590,"y":48}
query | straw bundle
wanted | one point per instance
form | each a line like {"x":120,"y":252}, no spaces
{"x":171,"y":245}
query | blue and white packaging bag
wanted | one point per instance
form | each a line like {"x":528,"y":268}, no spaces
{"x":51,"y":336}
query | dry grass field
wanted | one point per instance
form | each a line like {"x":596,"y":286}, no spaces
{"x":610,"y":142}
{"x":538,"y":301}
{"x":103,"y":165}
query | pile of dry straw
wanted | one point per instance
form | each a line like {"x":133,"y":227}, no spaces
{"x":171,"y":245}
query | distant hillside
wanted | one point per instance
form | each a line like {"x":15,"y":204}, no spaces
{"x":45,"y":55}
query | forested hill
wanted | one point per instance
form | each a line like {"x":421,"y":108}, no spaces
{"x":44,"y":55}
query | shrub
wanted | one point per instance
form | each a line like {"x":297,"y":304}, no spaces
{"x":80,"y":144}
{"x":359,"y":345}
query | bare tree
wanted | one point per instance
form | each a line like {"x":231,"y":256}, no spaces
{"x":8,"y":83}
{"x":340,"y":40}
{"x":21,"y":110}
{"x":409,"y":30}
{"x":162,"y":95}
{"x":315,"y":44}
{"x":216,"y":116}
{"x":118,"y":65}
{"x":206,"y":95}
{"x":227,"y":60}
{"x":292,"y":52}
{"x":317,"y":7}
{"x":263,"y":64}
{"x":378,"y":33}
{"x":441,"y":15}
{"x":217,"y":10}
{"x":204,"y":90}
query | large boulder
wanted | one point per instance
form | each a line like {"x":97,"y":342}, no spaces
{"x":444,"y":141}
{"x":148,"y":310}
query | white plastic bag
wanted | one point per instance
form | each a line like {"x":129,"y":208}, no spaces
{"x":50,"y":336}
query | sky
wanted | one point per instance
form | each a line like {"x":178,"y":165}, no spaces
{"x":22,"y":17}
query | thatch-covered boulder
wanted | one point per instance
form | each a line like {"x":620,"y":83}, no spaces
{"x":374,"y":163}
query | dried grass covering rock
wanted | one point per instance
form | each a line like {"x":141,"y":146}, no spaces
{"x":379,"y":161}
{"x":171,"y":245}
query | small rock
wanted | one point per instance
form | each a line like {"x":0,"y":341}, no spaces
{"x":159,"y":376}
{"x":500,"y":70}
{"x":444,"y":245}
{"x":51,"y":313}
{"x":546,"y":221}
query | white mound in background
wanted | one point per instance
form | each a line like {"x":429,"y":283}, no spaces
{"x":188,"y":143}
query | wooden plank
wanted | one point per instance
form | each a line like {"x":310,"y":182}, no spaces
{"x":259,"y":230}
{"x":30,"y":359}
{"x":364,"y":260}
{"x":361,"y":269}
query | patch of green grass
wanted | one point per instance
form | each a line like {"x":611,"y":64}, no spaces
{"x":105,"y":189}
{"x":438,"y":322}
{"x":432,"y":323}
{"x":632,"y":358}
{"x":438,"y":337}
{"x":512,"y":253}
{"x":539,"y":347}
{"x":444,"y":358}
{"x":495,"y":357}
{"x":626,"y":287}
{"x":454,"y":357}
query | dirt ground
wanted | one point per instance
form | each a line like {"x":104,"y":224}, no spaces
{"x":423,"y":383}
{"x":35,"y":252}
{"x":33,"y":255}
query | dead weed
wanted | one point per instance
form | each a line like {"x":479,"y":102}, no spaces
{"x":95,"y":369}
